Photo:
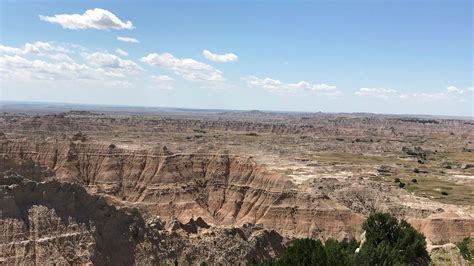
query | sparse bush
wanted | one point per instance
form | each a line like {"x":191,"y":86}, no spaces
{"x":414,"y":180}
{"x":466,"y":246}
{"x":444,"y":193}
{"x":396,"y":180}
{"x":388,"y":242}
{"x":200,"y":131}
{"x":252,"y":134}
{"x":401,"y":185}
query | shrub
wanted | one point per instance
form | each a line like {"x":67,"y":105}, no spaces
{"x":414,"y":180}
{"x":388,"y":242}
{"x":304,"y":252}
{"x":444,"y":193}
{"x":313,"y":252}
{"x":401,"y":185}
{"x":396,"y":180}
{"x":340,"y":252}
{"x":466,"y":246}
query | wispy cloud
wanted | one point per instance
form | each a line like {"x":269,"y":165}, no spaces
{"x":37,"y":48}
{"x":162,"y":82}
{"x":42,"y":61}
{"x":187,"y":68}
{"x":97,"y":18}
{"x":127,"y":39}
{"x":121,"y":52}
{"x":454,"y":90}
{"x":376,"y":92}
{"x":224,"y":58}
{"x":18,"y":67}
{"x":110,"y":61}
{"x":274,"y":85}
{"x":450,"y":93}
{"x":61,"y":57}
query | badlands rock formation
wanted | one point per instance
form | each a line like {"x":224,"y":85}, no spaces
{"x":221,"y":189}
{"x":60,"y":223}
{"x":80,"y":187}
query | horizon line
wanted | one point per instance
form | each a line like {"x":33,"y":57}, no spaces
{"x":107,"y":105}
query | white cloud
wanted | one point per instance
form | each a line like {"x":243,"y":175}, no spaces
{"x":224,"y":58}
{"x":454,"y":90}
{"x":61,"y":57}
{"x":274,"y":85}
{"x":43,"y":64}
{"x":451,"y":93}
{"x":376,"y":92}
{"x":163,"y":82}
{"x":10,"y":50}
{"x":423,"y":96}
{"x":98,"y":66}
{"x":189,"y":69}
{"x":36,"y":48}
{"x":23,"y":64}
{"x":22,"y":68}
{"x":266,"y":83}
{"x":97,"y":18}
{"x":127,"y":39}
{"x":110,"y":61}
{"x":323,"y":87}
{"x":121,"y":52}
{"x":41,"y":48}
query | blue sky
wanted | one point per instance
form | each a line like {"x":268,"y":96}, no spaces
{"x":333,"y":56}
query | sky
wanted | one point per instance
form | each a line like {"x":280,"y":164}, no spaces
{"x":398,"y":57}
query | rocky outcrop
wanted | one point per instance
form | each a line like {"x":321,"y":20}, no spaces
{"x":277,"y":123}
{"x":60,"y":223}
{"x":447,"y":254}
{"x":52,"y":222}
{"x":197,"y":190}
{"x":237,"y":186}
{"x":222,"y":189}
{"x":445,"y":227}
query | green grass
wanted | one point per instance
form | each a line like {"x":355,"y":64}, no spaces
{"x":429,"y":185}
{"x":348,"y":158}
{"x":432,"y":187}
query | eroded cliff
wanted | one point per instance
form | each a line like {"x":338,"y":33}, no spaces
{"x":60,"y":223}
{"x":222,"y":189}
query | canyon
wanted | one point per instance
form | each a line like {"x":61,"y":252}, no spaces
{"x":179,"y":186}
